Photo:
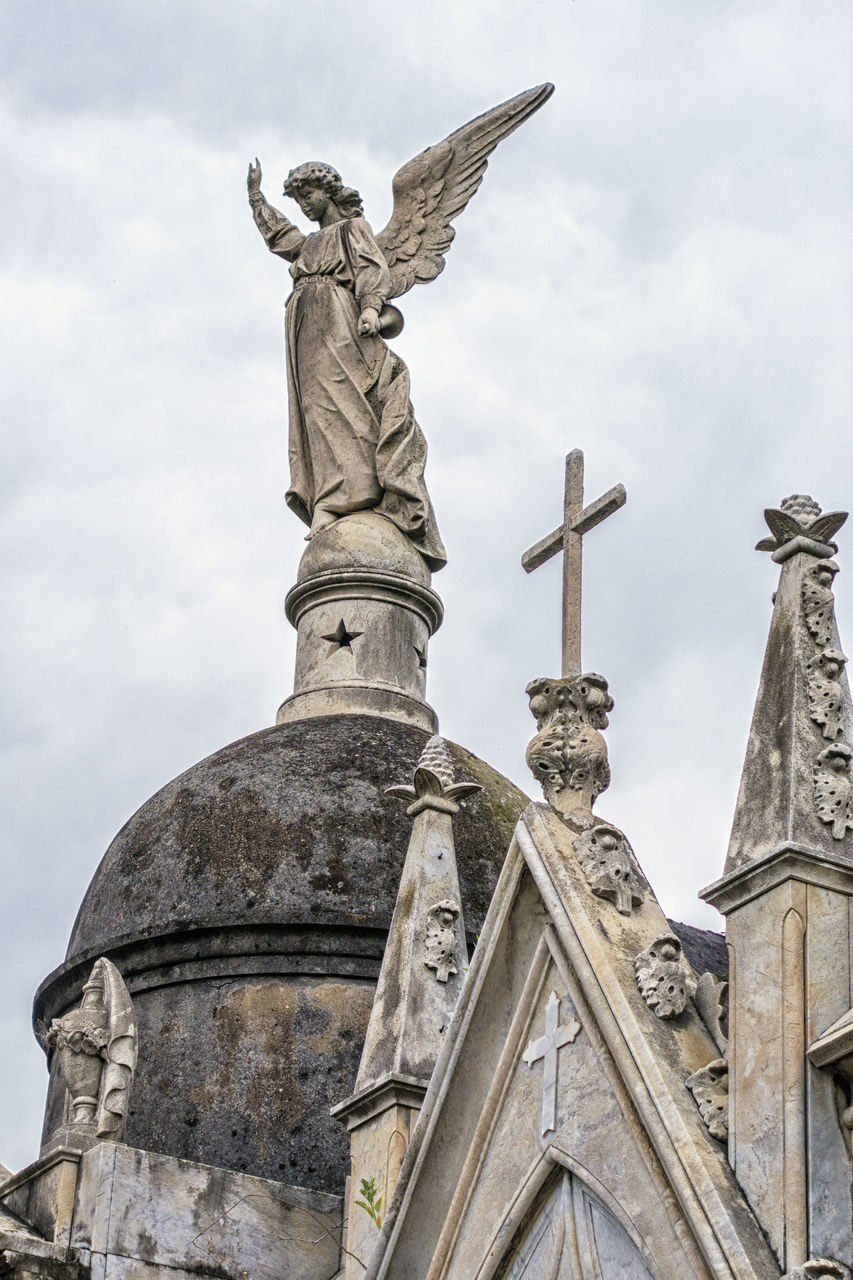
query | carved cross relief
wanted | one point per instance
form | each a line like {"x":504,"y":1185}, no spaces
{"x":568,"y":538}
{"x":546,"y":1048}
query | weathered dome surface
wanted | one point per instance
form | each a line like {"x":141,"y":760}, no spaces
{"x":246,"y":905}
{"x":290,"y":825}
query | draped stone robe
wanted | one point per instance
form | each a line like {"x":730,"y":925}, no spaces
{"x":354,"y":441}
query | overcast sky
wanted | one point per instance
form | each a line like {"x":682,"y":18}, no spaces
{"x":658,"y":268}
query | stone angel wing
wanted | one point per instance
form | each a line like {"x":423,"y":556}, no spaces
{"x":433,"y":189}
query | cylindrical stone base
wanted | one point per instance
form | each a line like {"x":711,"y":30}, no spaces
{"x":364,"y":614}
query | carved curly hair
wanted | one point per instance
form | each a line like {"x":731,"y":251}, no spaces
{"x":317,"y":174}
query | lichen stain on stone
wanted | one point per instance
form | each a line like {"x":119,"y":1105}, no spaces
{"x":342,"y":1004}
{"x":203,"y":1097}
{"x":336,"y":877}
{"x":234,"y":834}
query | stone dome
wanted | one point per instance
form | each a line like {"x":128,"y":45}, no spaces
{"x":246,"y":905}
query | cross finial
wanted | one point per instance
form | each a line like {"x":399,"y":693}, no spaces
{"x":568,"y":538}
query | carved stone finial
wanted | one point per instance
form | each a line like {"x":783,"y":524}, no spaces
{"x":440,"y":942}
{"x":434,"y":787}
{"x":607,"y":861}
{"x":96,"y":1047}
{"x":661,"y":976}
{"x":710,"y":1088}
{"x":797,"y":525}
{"x":569,"y":754}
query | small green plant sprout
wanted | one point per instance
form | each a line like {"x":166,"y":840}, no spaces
{"x":372,"y":1203}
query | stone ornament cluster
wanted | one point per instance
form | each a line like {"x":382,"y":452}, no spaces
{"x":710,"y":1088}
{"x":607,"y":860}
{"x":569,"y":754}
{"x":797,"y":526}
{"x":832,"y":782}
{"x":662,"y":978}
{"x":96,"y":1044}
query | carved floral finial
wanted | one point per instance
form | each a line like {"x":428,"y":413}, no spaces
{"x":569,"y":754}
{"x":434,"y":787}
{"x":797,"y":525}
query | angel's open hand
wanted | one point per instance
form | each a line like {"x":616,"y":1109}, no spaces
{"x":368,"y":324}
{"x":254,"y":179}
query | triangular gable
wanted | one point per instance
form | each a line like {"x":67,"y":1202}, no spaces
{"x":622,"y":1122}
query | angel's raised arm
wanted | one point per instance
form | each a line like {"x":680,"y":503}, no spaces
{"x":433,"y":189}
{"x":281,"y":236}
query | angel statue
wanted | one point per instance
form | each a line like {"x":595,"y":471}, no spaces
{"x":354,"y":441}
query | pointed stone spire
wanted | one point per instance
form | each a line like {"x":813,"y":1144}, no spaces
{"x":425,"y":955}
{"x":422,"y":972}
{"x":796,"y":783}
{"x":786,"y":896}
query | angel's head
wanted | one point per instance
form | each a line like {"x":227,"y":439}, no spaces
{"x":318,"y":188}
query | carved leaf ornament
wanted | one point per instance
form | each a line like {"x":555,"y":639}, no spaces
{"x":826,"y":696}
{"x":710,"y":1088}
{"x":819,"y":602}
{"x":661,"y":977}
{"x":440,"y":942}
{"x":832,"y":788}
{"x":607,"y":861}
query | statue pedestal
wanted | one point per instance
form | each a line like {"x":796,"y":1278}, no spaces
{"x":364,"y":613}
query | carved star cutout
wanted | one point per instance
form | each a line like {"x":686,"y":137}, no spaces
{"x":341,"y":638}
{"x":422,"y":658}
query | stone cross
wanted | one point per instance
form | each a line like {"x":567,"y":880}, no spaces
{"x":568,"y":538}
{"x":547,"y":1047}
